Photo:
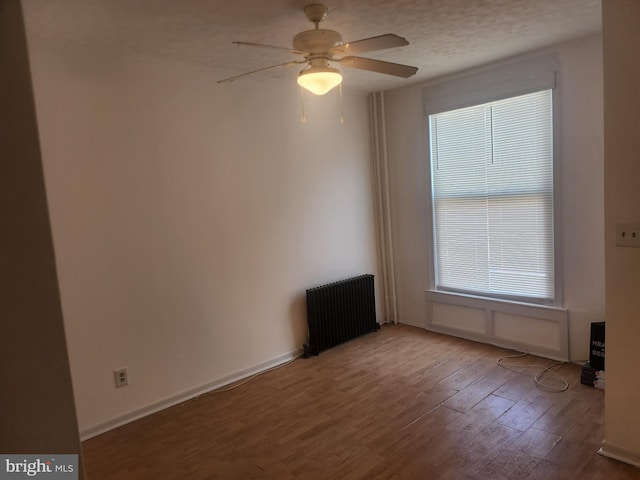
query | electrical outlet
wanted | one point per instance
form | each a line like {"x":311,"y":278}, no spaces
{"x":628,"y":234}
{"x":121,"y":377}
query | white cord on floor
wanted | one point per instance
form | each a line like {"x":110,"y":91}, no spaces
{"x":538,"y":377}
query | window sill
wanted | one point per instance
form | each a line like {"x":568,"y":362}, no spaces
{"x":478,"y":300}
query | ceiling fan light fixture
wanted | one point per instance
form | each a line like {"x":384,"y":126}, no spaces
{"x":320,"y":46}
{"x":319,"y":80}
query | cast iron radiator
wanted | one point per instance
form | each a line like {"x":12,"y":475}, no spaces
{"x":340,"y":311}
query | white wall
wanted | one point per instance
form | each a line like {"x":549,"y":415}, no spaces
{"x":581,"y":145}
{"x":582,"y":153}
{"x":621,"y":38}
{"x":189,"y":218}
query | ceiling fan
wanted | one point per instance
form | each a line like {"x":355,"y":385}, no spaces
{"x":321,"y":47}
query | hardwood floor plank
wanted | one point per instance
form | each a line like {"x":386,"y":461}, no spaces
{"x":509,"y":466}
{"x":534,"y":443}
{"x":474,"y":393}
{"x":399,"y":404}
{"x":523,"y":414}
{"x":565,"y":463}
{"x":602,"y":468}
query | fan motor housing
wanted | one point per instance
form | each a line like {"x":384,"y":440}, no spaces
{"x":316,"y":42}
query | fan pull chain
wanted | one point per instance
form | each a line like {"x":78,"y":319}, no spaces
{"x":341,"y":106}
{"x":303,"y":118}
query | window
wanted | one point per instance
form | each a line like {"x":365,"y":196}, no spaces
{"x":492,"y":193}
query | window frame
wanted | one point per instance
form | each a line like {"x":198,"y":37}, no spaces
{"x":489,"y":84}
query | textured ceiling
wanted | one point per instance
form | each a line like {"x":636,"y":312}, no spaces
{"x":444,"y":35}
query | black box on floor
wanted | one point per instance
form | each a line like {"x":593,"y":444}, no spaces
{"x":596,"y":348}
{"x":592,"y":377}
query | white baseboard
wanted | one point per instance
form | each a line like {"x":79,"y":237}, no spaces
{"x":411,"y":324}
{"x":95,"y":430}
{"x":620,"y":454}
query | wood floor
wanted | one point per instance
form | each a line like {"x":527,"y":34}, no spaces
{"x":400,"y":403}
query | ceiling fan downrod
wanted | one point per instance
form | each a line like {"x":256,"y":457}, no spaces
{"x":316,"y":12}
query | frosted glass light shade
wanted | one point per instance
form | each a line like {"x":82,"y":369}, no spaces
{"x":319,"y":80}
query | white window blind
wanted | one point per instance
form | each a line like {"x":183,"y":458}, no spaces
{"x":492,"y":187}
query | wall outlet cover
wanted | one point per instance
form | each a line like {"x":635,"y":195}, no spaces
{"x":628,"y":234}
{"x":121,"y":377}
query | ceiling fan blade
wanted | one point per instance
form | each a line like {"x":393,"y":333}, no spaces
{"x":404,"y":71}
{"x":262,"y":45}
{"x":380,"y":42}
{"x":286,"y":64}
